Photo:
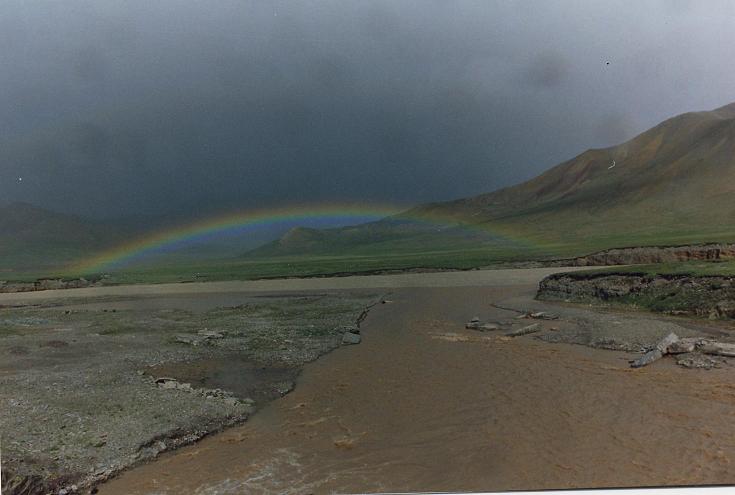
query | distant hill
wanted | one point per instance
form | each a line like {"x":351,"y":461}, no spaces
{"x":38,"y":240}
{"x":33,"y":237}
{"x":672,"y":184}
{"x":35,"y":241}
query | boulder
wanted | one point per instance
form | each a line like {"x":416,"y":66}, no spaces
{"x":682,"y":346}
{"x":483,"y":327}
{"x":351,"y":338}
{"x":663,"y":344}
{"x":167,"y":383}
{"x":725,"y":309}
{"x":647,"y":358}
{"x":661,"y":348}
{"x":283,"y":387}
{"x":717,"y":348}
{"x":524,"y":331}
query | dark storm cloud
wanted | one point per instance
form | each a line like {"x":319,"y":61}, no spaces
{"x":547,"y":69}
{"x":89,"y":64}
{"x":111,"y":108}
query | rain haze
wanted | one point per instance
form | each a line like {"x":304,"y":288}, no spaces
{"x":127,"y":108}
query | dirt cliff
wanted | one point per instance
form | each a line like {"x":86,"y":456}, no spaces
{"x":705,"y":296}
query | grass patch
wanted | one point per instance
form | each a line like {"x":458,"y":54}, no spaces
{"x":684,"y":268}
{"x":306,"y":266}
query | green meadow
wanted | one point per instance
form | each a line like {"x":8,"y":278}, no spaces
{"x":388,"y":256}
{"x":357,"y":250}
{"x":300,"y":266}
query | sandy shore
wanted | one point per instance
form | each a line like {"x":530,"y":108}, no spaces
{"x":423,"y":404}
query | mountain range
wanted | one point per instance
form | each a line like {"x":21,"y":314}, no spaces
{"x":672,"y":184}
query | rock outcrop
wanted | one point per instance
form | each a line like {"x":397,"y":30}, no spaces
{"x":705,"y":296}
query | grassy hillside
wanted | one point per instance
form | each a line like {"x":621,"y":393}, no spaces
{"x":33,"y":238}
{"x":673,"y":184}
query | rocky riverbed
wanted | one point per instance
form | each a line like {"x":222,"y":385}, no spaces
{"x":686,"y":299}
{"x":93,"y":386}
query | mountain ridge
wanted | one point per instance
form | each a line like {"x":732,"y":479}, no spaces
{"x":673,"y":181}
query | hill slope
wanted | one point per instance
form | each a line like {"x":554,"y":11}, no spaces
{"x":38,"y":242}
{"x":672,"y":184}
{"x":32,"y":237}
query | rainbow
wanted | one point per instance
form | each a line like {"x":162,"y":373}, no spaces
{"x":241,"y":221}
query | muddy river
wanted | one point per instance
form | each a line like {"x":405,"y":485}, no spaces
{"x":424,"y":405}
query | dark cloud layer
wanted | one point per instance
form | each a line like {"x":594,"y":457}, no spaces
{"x":111,"y":108}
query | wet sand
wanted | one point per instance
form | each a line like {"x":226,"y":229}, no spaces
{"x":423,"y":404}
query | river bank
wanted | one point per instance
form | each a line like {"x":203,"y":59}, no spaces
{"x":92,"y":386}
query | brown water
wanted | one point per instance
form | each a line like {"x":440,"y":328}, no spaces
{"x":236,"y":374}
{"x":423,"y":404}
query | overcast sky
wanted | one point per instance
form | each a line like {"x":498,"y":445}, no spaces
{"x":128,"y":107}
